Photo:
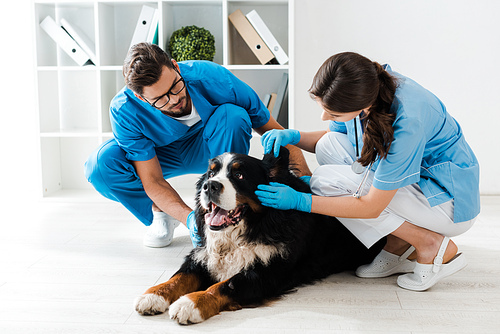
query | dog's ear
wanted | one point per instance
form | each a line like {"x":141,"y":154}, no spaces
{"x":279,"y":165}
{"x":201,"y":180}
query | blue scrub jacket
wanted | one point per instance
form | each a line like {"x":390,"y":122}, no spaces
{"x":429,"y":148}
{"x":139,"y":128}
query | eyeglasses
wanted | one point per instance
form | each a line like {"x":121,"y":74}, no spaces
{"x":163,"y":100}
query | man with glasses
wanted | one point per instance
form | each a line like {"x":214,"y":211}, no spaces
{"x":169,"y":120}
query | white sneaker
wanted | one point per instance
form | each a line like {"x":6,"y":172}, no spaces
{"x":387,"y":264}
{"x":161,"y":231}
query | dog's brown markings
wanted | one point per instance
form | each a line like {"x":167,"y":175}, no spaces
{"x":177,"y":286}
{"x":212,"y":166}
{"x":255,"y":206}
{"x":211,"y":302}
{"x":236,"y":165}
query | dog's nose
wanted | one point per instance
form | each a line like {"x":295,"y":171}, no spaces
{"x":212,"y":186}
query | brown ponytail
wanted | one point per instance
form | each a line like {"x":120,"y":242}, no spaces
{"x":378,"y":131}
{"x":348,"y":82}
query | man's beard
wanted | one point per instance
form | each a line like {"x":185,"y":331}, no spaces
{"x":173,"y":112}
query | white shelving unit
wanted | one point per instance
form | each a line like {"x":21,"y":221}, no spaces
{"x":73,"y":101}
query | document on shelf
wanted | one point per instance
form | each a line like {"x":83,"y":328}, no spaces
{"x":251,"y":37}
{"x":81,"y":39}
{"x":65,"y":42}
{"x":147,"y":26}
{"x":272,"y":101}
{"x":267,"y":36}
{"x":280,"y":97}
{"x":266,"y":100}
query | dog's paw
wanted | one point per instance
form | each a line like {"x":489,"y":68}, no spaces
{"x":150,"y":304}
{"x":185,"y":311}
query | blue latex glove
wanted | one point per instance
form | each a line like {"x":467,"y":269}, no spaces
{"x":279,"y":138}
{"x":193,"y":229}
{"x":306,"y":179}
{"x":280,"y":196}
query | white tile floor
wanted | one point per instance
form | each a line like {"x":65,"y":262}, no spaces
{"x":76,"y":267}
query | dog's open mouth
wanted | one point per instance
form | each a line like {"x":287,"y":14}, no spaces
{"x":218,"y":218}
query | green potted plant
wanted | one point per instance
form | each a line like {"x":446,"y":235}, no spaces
{"x":192,"y":43}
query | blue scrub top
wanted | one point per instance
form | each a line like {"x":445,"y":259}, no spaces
{"x":139,"y":128}
{"x":429,"y":148}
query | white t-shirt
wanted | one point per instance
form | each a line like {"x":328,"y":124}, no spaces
{"x":190,"y":119}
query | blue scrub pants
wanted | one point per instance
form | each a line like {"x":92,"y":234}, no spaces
{"x":229,"y":129}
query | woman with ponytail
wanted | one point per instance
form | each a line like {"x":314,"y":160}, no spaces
{"x":392,"y":144}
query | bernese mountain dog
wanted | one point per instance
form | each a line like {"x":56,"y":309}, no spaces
{"x":251,"y":253}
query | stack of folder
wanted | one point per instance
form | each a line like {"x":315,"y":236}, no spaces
{"x":81,"y":49}
{"x":71,"y":40}
{"x":258,"y":37}
{"x":266,"y":48}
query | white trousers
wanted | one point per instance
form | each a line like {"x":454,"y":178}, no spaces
{"x":334,"y":177}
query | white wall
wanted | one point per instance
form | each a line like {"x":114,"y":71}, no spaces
{"x":451,"y":47}
{"x":19,"y":164}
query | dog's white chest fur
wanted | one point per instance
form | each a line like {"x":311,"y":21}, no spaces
{"x":226,"y":254}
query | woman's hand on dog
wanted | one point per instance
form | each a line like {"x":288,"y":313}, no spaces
{"x":282,"y":197}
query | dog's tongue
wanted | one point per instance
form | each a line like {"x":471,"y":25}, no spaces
{"x":217,"y":217}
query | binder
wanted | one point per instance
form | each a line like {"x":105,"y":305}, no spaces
{"x":153,"y":31}
{"x":267,"y":36}
{"x":279,"y":105}
{"x":147,"y":26}
{"x":266,"y":100}
{"x":272,"y":102}
{"x":65,"y":42}
{"x":81,"y":39}
{"x":251,"y":37}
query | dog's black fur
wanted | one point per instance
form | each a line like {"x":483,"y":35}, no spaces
{"x":308,"y":246}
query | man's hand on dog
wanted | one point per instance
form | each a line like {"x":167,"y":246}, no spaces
{"x":278,"y":138}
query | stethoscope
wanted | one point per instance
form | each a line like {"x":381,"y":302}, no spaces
{"x":357,"y":167}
